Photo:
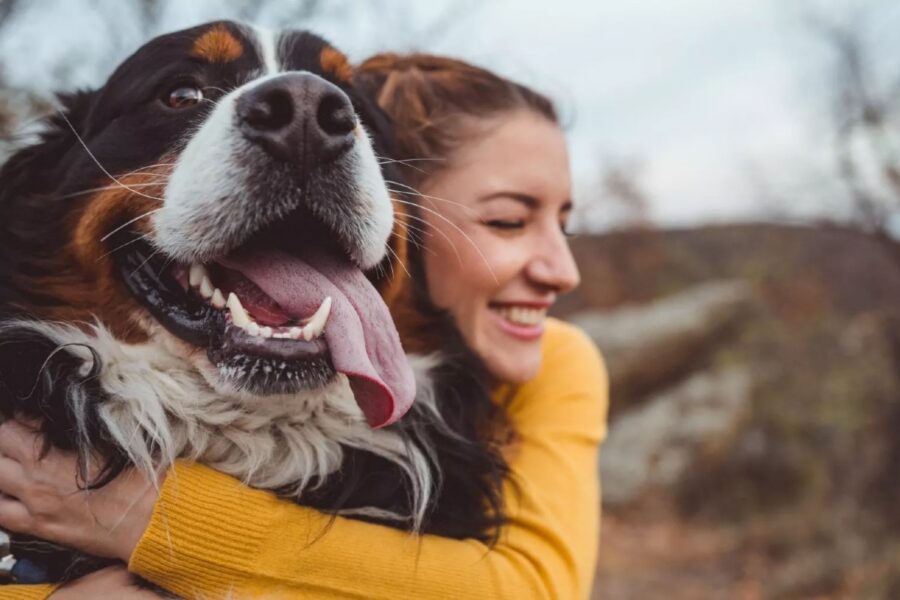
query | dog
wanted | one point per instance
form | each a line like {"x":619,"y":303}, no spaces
{"x":195,"y":263}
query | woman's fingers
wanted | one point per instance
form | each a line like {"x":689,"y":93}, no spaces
{"x":19,"y":442}
{"x":12,"y":477}
{"x":13,"y":515}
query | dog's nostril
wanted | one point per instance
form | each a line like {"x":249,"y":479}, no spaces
{"x":335,"y":115}
{"x":273,"y":111}
{"x":299,"y":118}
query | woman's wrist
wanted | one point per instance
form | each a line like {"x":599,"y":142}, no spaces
{"x":133,"y":498}
{"x":42,"y":496}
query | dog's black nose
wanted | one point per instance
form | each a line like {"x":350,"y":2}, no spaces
{"x":299,"y":118}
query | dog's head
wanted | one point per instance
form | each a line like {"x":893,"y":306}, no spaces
{"x":221,"y":196}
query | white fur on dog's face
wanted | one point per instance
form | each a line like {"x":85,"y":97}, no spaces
{"x":213,"y":205}
{"x":225,"y":189}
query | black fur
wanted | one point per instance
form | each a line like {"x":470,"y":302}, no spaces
{"x":39,"y":379}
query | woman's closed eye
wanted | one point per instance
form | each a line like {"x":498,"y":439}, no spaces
{"x":505,"y":224}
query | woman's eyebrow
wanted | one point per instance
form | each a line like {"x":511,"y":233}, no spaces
{"x":529,"y":201}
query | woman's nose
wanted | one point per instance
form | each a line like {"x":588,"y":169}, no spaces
{"x":553,"y":265}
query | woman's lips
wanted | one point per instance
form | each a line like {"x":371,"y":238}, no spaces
{"x":524,"y":322}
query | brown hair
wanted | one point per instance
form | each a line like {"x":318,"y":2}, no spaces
{"x":434,"y":103}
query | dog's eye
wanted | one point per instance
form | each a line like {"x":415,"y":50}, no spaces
{"x":184,"y":96}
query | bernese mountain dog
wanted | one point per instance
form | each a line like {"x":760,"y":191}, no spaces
{"x":196,"y":262}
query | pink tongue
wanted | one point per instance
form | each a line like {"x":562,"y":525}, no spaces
{"x":360,"y":333}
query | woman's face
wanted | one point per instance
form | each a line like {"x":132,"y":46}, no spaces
{"x":496,"y":254}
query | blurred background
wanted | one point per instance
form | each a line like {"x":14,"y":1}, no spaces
{"x":738,"y":186}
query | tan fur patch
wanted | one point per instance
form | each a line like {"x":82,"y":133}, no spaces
{"x":417,"y":333}
{"x":217,"y":45}
{"x":83,"y":279}
{"x":336,"y":64}
{"x":392,"y":286}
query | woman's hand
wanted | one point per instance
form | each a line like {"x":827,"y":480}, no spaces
{"x":112,"y":582}
{"x":41,"y":497}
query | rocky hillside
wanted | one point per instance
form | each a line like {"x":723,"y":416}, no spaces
{"x":761,"y":460}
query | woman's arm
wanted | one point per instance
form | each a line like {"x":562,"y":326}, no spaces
{"x":210,"y":535}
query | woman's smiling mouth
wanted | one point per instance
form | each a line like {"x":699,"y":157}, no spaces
{"x":521,"y":320}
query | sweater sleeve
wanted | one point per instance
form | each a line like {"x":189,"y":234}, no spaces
{"x":26,"y":592}
{"x":210,"y":536}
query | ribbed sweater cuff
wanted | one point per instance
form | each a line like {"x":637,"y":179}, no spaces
{"x":26,"y":592}
{"x":205,"y":531}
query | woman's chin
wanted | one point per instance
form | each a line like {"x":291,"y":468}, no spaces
{"x":511,"y":361}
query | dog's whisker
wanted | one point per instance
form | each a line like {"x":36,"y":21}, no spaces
{"x":389,"y":162}
{"x":102,"y":189}
{"x":390,"y":265}
{"x":162,"y":164}
{"x":414,"y":192}
{"x":442,"y":233}
{"x":415,"y":235}
{"x":129,"y":222}
{"x":458,"y":229}
{"x":97,"y":162}
{"x":388,"y":159}
{"x":146,"y":260}
{"x":128,"y":243}
{"x":400,"y":262}
{"x":414,"y":239}
{"x":417,"y":229}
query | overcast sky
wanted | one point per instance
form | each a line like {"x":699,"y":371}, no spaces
{"x":721,"y":102}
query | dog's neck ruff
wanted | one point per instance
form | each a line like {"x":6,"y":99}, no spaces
{"x":158,"y":410}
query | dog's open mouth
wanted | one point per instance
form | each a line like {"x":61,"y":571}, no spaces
{"x":283,"y":313}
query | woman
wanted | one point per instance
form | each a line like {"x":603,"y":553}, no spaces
{"x":489,"y":159}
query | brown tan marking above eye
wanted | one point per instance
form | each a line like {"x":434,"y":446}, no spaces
{"x":335,"y":63}
{"x":217,"y":45}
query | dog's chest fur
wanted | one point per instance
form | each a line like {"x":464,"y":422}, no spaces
{"x":158,"y":409}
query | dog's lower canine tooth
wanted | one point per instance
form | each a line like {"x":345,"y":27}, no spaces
{"x":317,"y":321}
{"x":252,"y":328}
{"x":239,"y":316}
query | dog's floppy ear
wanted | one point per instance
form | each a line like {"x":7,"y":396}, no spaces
{"x":31,"y":169}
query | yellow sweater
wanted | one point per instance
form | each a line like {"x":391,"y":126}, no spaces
{"x":210,"y":536}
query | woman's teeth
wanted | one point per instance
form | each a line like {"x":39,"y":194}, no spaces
{"x":312,"y":329}
{"x":523,"y":316}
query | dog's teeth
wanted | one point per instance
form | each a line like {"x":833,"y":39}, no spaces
{"x":295,"y":333}
{"x":265,"y":332}
{"x":218,"y":300}
{"x":196,"y":275}
{"x":316,"y":323}
{"x":239,"y":316}
{"x":252,"y":328}
{"x":206,"y":287}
